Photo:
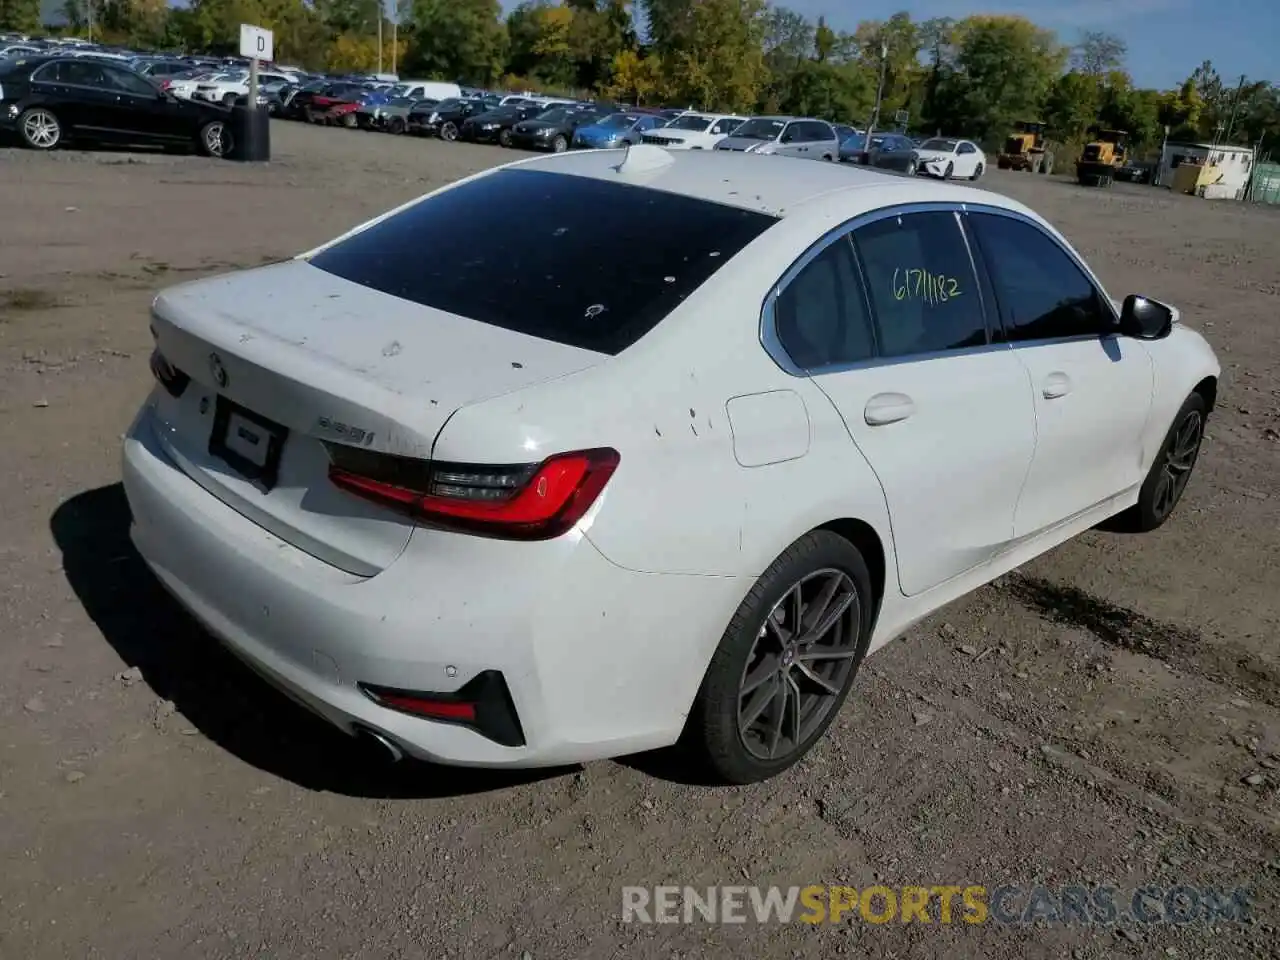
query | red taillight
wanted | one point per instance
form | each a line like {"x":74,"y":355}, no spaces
{"x":166,"y":84}
{"x":521,"y":502}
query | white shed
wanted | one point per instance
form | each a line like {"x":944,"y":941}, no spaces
{"x":1227,"y":173}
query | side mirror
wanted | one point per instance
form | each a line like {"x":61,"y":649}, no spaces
{"x":1145,"y":319}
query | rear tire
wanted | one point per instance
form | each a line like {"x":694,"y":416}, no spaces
{"x":769,"y":694}
{"x":977,"y":172}
{"x":1170,"y":473}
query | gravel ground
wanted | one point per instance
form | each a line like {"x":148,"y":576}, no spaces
{"x":1110,"y":713}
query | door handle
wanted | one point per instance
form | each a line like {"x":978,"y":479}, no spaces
{"x":1056,"y":385}
{"x":886,"y":408}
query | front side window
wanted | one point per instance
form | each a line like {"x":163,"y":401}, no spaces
{"x":924,"y":293}
{"x":821,"y":315}
{"x":690,"y":121}
{"x":127,"y":82}
{"x":725,"y":127}
{"x":966,"y":148}
{"x":1041,"y":292}
{"x":945,"y":146}
{"x":813,"y":131}
{"x":584,"y":262}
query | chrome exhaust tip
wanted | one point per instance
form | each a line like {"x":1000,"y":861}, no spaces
{"x":388,"y":747}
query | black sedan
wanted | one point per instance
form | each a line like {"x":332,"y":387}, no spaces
{"x":888,"y":151}
{"x":494,"y":126}
{"x":444,"y":119}
{"x":553,"y":130}
{"x":48,"y":101}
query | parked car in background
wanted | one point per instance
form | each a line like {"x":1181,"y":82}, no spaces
{"x":694,"y":131}
{"x":160,"y":69}
{"x":888,"y":151}
{"x":444,"y":119}
{"x":554,"y":129}
{"x":184,"y":85}
{"x":844,"y":132}
{"x":801,"y":137}
{"x":610,"y":130}
{"x":49,"y":101}
{"x":392,"y":115}
{"x":946,"y":157}
{"x":494,"y":126}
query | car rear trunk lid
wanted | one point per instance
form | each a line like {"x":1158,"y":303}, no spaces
{"x":291,"y":357}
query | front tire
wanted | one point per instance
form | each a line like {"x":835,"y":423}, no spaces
{"x":785,"y":663}
{"x":39,"y":128}
{"x":951,"y":168}
{"x":449,"y":131}
{"x":977,"y":173}
{"x":1167,"y":479}
{"x":395,"y":125}
{"x":560,"y":144}
{"x":504,"y":138}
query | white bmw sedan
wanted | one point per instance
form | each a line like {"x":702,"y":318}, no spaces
{"x":585,"y":455}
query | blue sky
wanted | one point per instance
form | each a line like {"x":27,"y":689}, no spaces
{"x":1167,"y":38}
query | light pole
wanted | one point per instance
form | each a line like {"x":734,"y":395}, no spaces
{"x":875,"y":116}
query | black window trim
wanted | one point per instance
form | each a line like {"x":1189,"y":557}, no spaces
{"x":997,"y":337}
{"x":980,"y":264}
{"x":772,"y":344}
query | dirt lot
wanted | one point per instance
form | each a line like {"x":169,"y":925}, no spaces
{"x":1091,"y":719}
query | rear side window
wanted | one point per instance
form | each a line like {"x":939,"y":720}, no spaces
{"x":821,"y":315}
{"x":1042,"y":294}
{"x":920,"y":279}
{"x":584,"y":262}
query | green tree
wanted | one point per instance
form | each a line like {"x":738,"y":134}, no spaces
{"x":20,"y":15}
{"x":1005,"y":67}
{"x":1072,"y":105}
{"x":714,"y":55}
{"x":459,"y":40}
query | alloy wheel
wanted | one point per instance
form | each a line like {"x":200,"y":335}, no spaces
{"x":41,"y":129}
{"x":1179,"y":457}
{"x":799,"y":664}
{"x":215,"y":139}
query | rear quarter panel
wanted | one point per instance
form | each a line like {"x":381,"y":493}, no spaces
{"x":685,"y":498}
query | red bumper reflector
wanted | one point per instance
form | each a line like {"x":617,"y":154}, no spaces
{"x":440,"y":709}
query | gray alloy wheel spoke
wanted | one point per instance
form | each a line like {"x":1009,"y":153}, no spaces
{"x":826,"y":653}
{"x":762,"y":674}
{"x":807,"y":671}
{"x":795,"y":612}
{"x":830,"y":617}
{"x":1162,"y":498}
{"x":762,"y":698}
{"x":794,"y":701}
{"x":818,"y":608}
{"x":781,"y":695}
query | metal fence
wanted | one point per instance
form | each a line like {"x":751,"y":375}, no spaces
{"x":1266,"y":183}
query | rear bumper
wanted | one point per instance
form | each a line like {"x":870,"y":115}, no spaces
{"x":527,"y":141}
{"x":599,"y":661}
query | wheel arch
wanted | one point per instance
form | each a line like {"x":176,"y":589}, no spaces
{"x":1208,"y":389}
{"x":864,"y":537}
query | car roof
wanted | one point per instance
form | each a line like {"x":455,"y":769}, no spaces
{"x":769,"y":184}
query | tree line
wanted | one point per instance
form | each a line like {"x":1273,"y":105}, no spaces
{"x":974,"y":76}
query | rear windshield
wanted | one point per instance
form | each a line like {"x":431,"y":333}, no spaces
{"x":579,"y":261}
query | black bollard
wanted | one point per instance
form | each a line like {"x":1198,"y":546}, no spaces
{"x":250,"y":134}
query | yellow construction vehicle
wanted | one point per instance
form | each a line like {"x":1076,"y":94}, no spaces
{"x":1101,"y":158}
{"x":1025,"y":149}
